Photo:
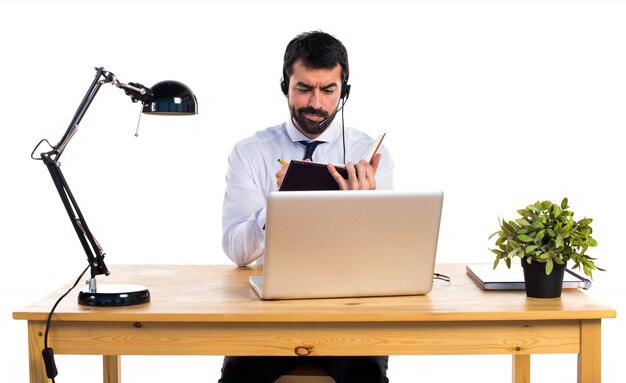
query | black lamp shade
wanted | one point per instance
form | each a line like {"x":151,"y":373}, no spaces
{"x":171,"y":97}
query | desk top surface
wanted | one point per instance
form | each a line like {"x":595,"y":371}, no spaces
{"x":221,"y":293}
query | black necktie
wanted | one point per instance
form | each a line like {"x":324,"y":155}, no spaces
{"x":310,"y":148}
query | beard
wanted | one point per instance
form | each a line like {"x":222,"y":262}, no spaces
{"x":309,"y":126}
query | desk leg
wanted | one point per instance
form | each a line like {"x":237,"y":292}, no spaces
{"x":37,"y":368}
{"x":589,"y":359}
{"x":521,"y":368}
{"x":112,"y":369}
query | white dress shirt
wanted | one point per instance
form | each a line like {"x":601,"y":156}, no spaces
{"x":252,"y":167}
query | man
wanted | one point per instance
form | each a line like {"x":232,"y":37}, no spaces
{"x":315,"y":82}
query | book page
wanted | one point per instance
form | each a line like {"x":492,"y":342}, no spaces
{"x":374,"y":148}
{"x":370,"y":152}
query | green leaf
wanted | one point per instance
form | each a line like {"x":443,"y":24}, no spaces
{"x":536,"y":225}
{"x":564,"y":204}
{"x":558,"y":228}
{"x":530,"y":249}
{"x":540,"y":236}
{"x":524,"y":238}
{"x":549,"y":266}
{"x":497,"y":252}
{"x":568,"y":226}
{"x":495,"y":263}
{"x":534,"y":208}
{"x":559,"y":241}
{"x":509,"y":227}
{"x":545,"y":205}
{"x":524,"y":230}
{"x":557,"y":211}
{"x":558,"y":260}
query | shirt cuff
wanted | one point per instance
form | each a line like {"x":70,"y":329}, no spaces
{"x":261,"y":219}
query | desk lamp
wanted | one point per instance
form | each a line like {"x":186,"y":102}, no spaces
{"x":166,"y":97}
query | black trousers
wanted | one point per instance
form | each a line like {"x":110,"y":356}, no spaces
{"x":266,"y":369}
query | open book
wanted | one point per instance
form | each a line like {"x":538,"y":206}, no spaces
{"x":305,"y":175}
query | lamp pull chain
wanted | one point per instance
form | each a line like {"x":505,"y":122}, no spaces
{"x":138,"y":121}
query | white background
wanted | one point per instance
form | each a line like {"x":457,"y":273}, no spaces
{"x":498,"y":103}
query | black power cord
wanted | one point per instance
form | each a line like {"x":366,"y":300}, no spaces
{"x":48,"y":353}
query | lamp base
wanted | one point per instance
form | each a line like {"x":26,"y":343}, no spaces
{"x":114,"y":295}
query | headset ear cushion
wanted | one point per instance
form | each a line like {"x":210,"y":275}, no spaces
{"x":345,"y":91}
{"x":283,"y":86}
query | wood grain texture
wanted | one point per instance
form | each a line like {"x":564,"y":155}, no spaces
{"x":218,"y":293}
{"x":211,"y":310}
{"x":590,"y":357}
{"x":112,"y":368}
{"x":521,"y":368}
{"x":285,"y":338}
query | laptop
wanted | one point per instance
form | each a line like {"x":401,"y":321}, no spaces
{"x":331,"y":244}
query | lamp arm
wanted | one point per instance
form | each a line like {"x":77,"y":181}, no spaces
{"x":95,"y":254}
{"x":102,"y":77}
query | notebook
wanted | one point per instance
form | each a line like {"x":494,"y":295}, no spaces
{"x":503,"y":278}
{"x":325,"y":244}
{"x":306,"y":175}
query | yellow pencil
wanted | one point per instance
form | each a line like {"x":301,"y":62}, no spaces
{"x":282,"y":161}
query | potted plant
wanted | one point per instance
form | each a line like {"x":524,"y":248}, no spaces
{"x":545,"y":237}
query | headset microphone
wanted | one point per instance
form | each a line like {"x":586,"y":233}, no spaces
{"x":322,"y":124}
{"x":345,"y":93}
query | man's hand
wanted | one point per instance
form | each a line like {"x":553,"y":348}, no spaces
{"x":361,"y":176}
{"x":280,"y":175}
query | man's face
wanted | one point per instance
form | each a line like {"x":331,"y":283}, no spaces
{"x":313,"y":96}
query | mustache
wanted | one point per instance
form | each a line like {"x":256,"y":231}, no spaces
{"x":316,"y":112}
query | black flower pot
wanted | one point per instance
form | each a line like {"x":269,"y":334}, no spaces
{"x":540,"y":285}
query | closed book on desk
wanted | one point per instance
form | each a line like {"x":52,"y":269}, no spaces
{"x":306,"y":175}
{"x":503,"y":278}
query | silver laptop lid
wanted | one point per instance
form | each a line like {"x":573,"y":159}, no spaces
{"x":350,"y":243}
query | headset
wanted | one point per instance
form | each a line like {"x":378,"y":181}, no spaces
{"x":345,"y":93}
{"x":345,"y":88}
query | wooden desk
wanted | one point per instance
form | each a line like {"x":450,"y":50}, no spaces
{"x":210,"y":310}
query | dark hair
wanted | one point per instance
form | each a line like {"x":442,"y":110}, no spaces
{"x":316,"y":50}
